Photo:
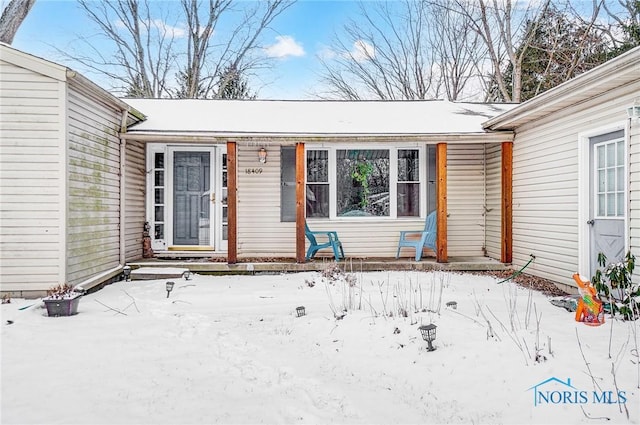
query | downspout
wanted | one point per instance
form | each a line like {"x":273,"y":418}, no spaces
{"x":123,"y":146}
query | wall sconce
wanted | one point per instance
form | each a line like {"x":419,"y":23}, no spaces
{"x":633,"y":111}
{"x":262,"y":156}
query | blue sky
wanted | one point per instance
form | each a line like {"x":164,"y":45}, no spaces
{"x":300,"y":33}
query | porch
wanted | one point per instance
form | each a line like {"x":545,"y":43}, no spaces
{"x":219,"y":265}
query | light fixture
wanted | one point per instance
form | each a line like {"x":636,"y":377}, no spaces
{"x":126,"y":272}
{"x":633,"y":111}
{"x":262,"y":156}
{"x":428,"y":334}
{"x":300,"y":311}
{"x":186,"y":274}
{"x":169,"y":287}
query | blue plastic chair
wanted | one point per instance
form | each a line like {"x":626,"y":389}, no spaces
{"x":419,"y":239}
{"x":333,"y":243}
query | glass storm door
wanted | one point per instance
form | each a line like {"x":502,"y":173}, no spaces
{"x":608,"y":204}
{"x":192,"y":198}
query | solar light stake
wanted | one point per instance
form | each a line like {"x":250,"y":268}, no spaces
{"x":428,"y":334}
{"x":300,"y":311}
{"x":169,"y":287}
{"x":126,"y":272}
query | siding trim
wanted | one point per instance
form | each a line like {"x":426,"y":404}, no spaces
{"x":232,"y":203}
{"x":63,"y":110}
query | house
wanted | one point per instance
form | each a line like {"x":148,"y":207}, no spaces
{"x":576,"y":171}
{"x":82,"y":181}
{"x":63,"y":216}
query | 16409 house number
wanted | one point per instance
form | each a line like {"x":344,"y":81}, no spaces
{"x":253,"y":170}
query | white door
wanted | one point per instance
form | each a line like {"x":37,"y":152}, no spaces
{"x":608,"y":201}
{"x":188,"y":198}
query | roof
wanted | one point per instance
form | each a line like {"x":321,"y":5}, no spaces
{"x":617,"y":72}
{"x":238,"y":118}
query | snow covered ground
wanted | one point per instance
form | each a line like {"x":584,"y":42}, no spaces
{"x":231,"y":350}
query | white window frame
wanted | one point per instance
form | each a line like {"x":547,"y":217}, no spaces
{"x":393,"y":178}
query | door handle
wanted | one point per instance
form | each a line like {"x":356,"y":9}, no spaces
{"x":213,"y":197}
{"x":590,"y":222}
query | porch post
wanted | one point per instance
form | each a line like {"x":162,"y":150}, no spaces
{"x":300,"y":202}
{"x":232,"y":203}
{"x":506,"y":255}
{"x":441,"y":203}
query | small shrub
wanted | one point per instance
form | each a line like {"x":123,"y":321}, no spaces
{"x":613,"y":283}
{"x":61,"y":292}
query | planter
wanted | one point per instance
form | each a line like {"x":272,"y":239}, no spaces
{"x":62,"y":307}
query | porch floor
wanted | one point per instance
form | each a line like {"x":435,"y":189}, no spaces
{"x":218,"y":265}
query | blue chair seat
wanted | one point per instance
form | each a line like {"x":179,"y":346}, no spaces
{"x":332,"y":242}
{"x":419,"y":239}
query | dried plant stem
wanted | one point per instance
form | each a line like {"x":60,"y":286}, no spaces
{"x":593,"y":379}
{"x":111,"y":308}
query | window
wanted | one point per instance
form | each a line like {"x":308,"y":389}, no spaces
{"x":610,"y":179}
{"x":362,"y":181}
{"x":365,"y":183}
{"x":317,"y":183}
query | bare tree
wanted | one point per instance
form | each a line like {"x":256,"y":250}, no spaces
{"x":12,"y":16}
{"x":144,"y":54}
{"x":505,"y":34}
{"x":176,"y":51}
{"x":457,"y":49}
{"x":204,"y":74}
{"x":385,"y":55}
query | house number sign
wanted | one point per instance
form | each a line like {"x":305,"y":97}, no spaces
{"x":253,"y":170}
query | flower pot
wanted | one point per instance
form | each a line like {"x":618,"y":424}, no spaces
{"x":62,"y":307}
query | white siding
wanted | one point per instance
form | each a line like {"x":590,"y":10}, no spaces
{"x":31,"y":157}
{"x":93,"y":241}
{"x":134,"y":199}
{"x":493,"y":211}
{"x":465,"y":200}
{"x":545,"y":183}
{"x":634,"y":195}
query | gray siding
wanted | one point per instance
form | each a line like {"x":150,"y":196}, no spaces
{"x":31,"y":180}
{"x":134,"y":199}
{"x":546,"y":183}
{"x":93,"y":221}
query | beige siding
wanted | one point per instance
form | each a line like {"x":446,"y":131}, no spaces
{"x":31,"y":160}
{"x":260,"y":232}
{"x":493,"y":210}
{"x":134,"y":199}
{"x":465,"y":200}
{"x":93,"y":241}
{"x":545,"y":201}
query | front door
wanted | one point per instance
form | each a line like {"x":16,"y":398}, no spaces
{"x":608,"y":201}
{"x":192,"y":197}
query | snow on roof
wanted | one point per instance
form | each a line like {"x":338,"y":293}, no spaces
{"x":280,"y":117}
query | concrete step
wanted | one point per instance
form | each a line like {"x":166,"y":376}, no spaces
{"x":154,"y":273}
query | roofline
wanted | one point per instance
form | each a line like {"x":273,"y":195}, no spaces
{"x":628,"y":62}
{"x":194,"y":136}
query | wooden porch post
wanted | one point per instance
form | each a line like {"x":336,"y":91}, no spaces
{"x":232,"y":203}
{"x":506,"y":255}
{"x":300,"y":202}
{"x":441,"y":202}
